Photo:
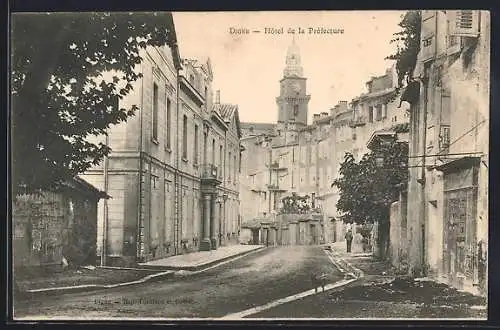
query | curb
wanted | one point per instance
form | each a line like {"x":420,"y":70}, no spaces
{"x":221,"y":262}
{"x":170,"y":273}
{"x":344,"y":265}
{"x":297,"y":296}
{"x":201,"y":267}
{"x":85,"y":287}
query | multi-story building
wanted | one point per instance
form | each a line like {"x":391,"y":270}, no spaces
{"x":340,"y":141}
{"x":169,"y":171}
{"x":294,"y":157}
{"x":272,"y":159}
{"x":448,"y":185}
{"x":378,"y":110}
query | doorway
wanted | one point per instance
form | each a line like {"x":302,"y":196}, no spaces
{"x":459,"y":248}
{"x":255,"y":236}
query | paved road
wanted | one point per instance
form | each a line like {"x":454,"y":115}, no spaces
{"x":251,"y":281}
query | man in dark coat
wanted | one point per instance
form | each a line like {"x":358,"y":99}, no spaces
{"x":348,"y":239}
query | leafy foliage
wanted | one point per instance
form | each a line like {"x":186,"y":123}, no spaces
{"x":60,"y":94}
{"x":295,"y":204}
{"x":408,"y":46}
{"x":367,"y":190}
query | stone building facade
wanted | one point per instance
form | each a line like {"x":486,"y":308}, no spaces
{"x":448,"y":186}
{"x":169,"y":171}
{"x":293,"y":156}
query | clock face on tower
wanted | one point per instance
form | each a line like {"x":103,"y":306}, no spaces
{"x":296,"y":87}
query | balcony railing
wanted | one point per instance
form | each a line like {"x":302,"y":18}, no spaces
{"x":360,"y":121}
{"x":209,"y":172}
{"x":274,"y":187}
{"x":276,"y":166}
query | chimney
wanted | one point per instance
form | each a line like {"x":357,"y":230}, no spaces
{"x":324,"y":114}
{"x":217,"y":97}
{"x":316,"y":117}
{"x":343,"y":105}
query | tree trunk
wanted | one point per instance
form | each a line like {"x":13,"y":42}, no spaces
{"x":383,"y":235}
{"x":24,"y":102}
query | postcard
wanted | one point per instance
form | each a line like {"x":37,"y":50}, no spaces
{"x":267,"y":165}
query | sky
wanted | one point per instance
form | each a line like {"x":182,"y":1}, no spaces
{"x":247,"y":67}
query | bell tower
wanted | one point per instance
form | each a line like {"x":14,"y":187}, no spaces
{"x":293,"y":100}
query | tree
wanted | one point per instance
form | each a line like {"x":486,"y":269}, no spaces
{"x":366,"y":191}
{"x":295,"y":204}
{"x":408,"y":46}
{"x":60,"y":97}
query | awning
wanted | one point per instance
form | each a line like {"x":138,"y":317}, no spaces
{"x":459,"y":164}
{"x":380,"y":136}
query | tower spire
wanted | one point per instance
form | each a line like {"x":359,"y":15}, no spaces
{"x":292,"y":63}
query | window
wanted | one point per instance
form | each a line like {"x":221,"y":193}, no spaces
{"x":428,"y":92}
{"x":205,"y":141}
{"x":195,"y":144}
{"x":221,"y":160}
{"x":155,"y":113}
{"x":229,"y":167}
{"x":169,"y":123}
{"x":379,"y":112}
{"x":206,"y":93}
{"x":293,"y":155}
{"x":384,"y":111}
{"x":370,"y":114}
{"x":463,"y":22}
{"x":296,"y":110}
{"x":184,"y":137}
{"x":213,"y":151}
{"x":154,"y":181}
{"x":444,"y":138}
{"x":191,"y":79}
{"x":234,"y":167}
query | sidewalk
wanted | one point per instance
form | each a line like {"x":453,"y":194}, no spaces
{"x":55,"y":279}
{"x":196,"y":261}
{"x":375,"y":271}
{"x":426,"y":298}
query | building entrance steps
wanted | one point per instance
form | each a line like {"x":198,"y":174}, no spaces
{"x":195,"y":261}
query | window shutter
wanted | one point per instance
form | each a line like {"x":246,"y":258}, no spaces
{"x":464,"y":23}
{"x":444,"y":137}
{"x":453,"y":42}
{"x":428,"y":39}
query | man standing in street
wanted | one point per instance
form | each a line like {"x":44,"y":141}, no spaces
{"x":348,"y":239}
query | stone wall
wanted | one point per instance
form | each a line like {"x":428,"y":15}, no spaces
{"x":398,"y":246}
{"x":50,"y":226}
